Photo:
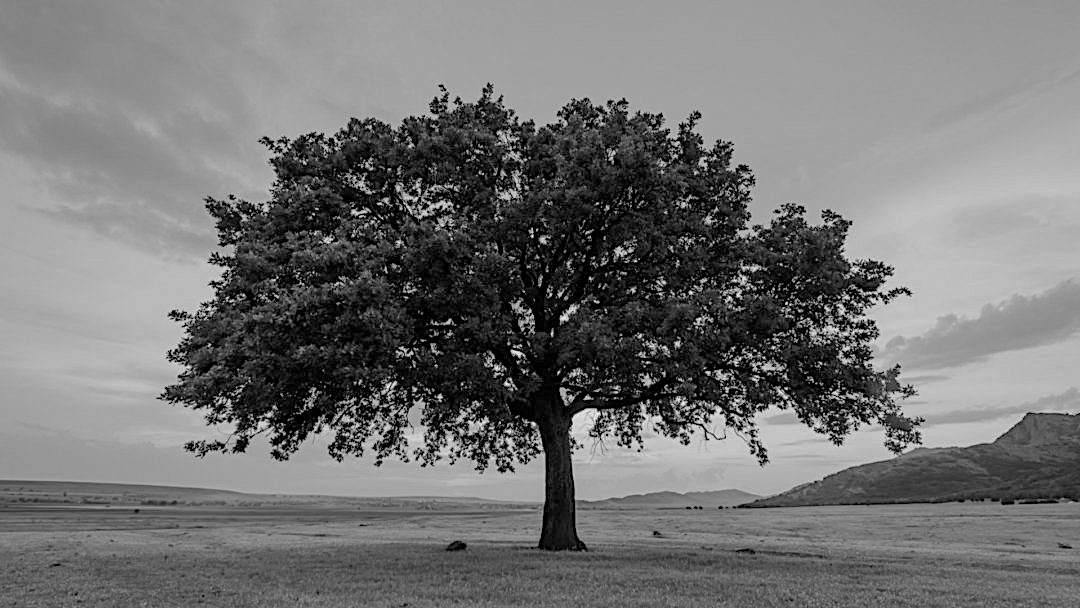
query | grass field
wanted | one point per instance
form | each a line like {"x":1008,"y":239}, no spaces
{"x":330,"y":555}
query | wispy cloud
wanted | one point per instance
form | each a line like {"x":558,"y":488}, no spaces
{"x":1025,"y":226}
{"x":130,"y":117}
{"x":923,"y":379}
{"x":969,"y":115}
{"x":781,"y":419}
{"x":1068,"y":400}
{"x":810,"y":441}
{"x":790,"y":419}
{"x":130,"y":383}
{"x":990,"y":103}
{"x":1021,"y":322}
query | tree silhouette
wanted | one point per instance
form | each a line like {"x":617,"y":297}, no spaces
{"x":490,"y":281}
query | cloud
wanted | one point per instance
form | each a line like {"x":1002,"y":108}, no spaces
{"x":991,"y":221}
{"x":818,"y":441}
{"x":1019,"y":323}
{"x":1068,"y":400}
{"x":130,"y":117}
{"x":785,"y":418}
{"x":124,"y":382}
{"x":968,"y":116}
{"x":923,"y":379}
{"x":1025,"y":228}
{"x":986,"y":105}
{"x":790,"y":419}
{"x":60,"y":316}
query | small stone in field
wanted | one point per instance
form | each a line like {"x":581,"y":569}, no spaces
{"x":457,"y":545}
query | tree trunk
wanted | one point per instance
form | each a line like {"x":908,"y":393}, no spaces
{"x":559,"y":532}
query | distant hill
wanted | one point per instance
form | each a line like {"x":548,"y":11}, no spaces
{"x":97,"y":493}
{"x":660,"y":500}
{"x":90,"y":491}
{"x":1039,"y":457}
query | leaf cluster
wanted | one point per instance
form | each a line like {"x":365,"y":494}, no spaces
{"x":473,"y":275}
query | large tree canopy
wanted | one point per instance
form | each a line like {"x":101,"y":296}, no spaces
{"x":502,"y":278}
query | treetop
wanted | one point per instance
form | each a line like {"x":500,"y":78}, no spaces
{"x":480,"y":276}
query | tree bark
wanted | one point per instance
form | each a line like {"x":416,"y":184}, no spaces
{"x":559,"y":531}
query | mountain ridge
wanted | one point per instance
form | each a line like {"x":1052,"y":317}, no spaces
{"x":1038,"y":457}
{"x":667,"y":499}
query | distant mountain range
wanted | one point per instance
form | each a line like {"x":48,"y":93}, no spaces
{"x":100,"y":493}
{"x":81,"y":492}
{"x":1039,"y":457}
{"x":660,"y":500}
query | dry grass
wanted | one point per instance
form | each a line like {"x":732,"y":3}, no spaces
{"x":912,"y":555}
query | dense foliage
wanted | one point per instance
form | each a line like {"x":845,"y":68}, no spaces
{"x":489,"y":279}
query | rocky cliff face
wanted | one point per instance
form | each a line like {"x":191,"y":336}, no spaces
{"x":1043,"y":430}
{"x":1039,"y":457}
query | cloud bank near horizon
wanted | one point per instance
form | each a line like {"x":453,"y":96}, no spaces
{"x":1019,"y":323}
{"x":1059,"y":402}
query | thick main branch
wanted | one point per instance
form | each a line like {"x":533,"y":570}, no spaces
{"x":586,"y":400}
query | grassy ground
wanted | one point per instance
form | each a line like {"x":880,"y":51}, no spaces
{"x":911,"y":555}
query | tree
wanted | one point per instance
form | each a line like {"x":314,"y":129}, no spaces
{"x":501,"y":279}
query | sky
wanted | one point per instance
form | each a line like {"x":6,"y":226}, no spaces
{"x":949,"y":133}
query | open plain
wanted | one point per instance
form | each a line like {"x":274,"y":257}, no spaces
{"x":386,"y":554}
